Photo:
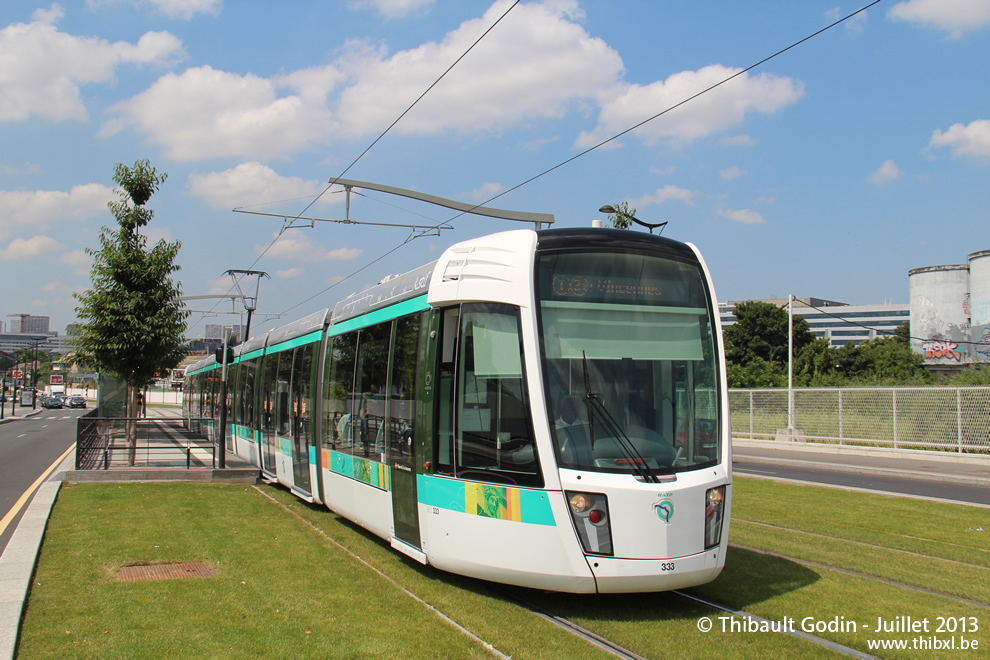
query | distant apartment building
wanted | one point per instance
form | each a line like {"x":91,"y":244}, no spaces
{"x":30,"y":325}
{"x":837,"y":322}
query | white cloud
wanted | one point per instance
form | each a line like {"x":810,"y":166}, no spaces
{"x":21,"y":249}
{"x":41,"y":208}
{"x":27,"y":168}
{"x":43,"y":68}
{"x":731,"y":173}
{"x":294,"y":247}
{"x":184,"y":9}
{"x":390,"y":8}
{"x":536,"y":64}
{"x":75,"y":258}
{"x":887,"y":172}
{"x":251,"y":184}
{"x":952,"y":16}
{"x":485,"y":192}
{"x":738,"y":141}
{"x":663,"y":172}
{"x":78,"y":260}
{"x":742,"y":216}
{"x":710,"y":113}
{"x":289,"y":272}
{"x":662,"y":195}
{"x":205,"y":113}
{"x":965,"y":140}
{"x":855,"y":24}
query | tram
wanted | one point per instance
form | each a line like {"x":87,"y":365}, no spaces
{"x":538,"y":408}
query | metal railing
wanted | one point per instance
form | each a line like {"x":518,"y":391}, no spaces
{"x":101,"y":444}
{"x":935,"y":418}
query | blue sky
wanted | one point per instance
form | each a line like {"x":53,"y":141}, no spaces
{"x":828,"y":171}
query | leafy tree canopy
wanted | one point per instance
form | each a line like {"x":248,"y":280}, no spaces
{"x":132,"y":320}
{"x":760,"y":331}
{"x":620,"y":219}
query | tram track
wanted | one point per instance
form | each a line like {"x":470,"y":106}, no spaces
{"x":821,"y":641}
{"x":867,"y":576}
{"x":860,"y":543}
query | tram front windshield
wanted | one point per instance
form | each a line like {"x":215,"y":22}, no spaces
{"x":630,"y":362}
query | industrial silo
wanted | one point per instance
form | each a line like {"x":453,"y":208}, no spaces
{"x":940,"y":324}
{"x":979,"y":305}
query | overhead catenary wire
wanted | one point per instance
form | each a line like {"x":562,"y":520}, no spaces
{"x":363,"y":153}
{"x":589,"y":149}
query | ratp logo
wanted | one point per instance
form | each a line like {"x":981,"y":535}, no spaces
{"x":665,"y":510}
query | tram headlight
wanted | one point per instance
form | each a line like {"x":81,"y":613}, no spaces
{"x":714,"y":507}
{"x":589,"y":512}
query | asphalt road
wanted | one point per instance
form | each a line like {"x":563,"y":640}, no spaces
{"x":28,"y":447}
{"x":945,"y":487}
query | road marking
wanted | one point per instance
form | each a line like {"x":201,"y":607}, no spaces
{"x":19,"y":504}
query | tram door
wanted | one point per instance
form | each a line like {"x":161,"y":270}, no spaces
{"x":301,"y":397}
{"x":408,"y":336}
{"x":266,"y":393}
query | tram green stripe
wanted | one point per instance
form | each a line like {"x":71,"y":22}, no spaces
{"x":251,"y":355}
{"x":450,"y":494}
{"x":316,"y":335}
{"x":393,"y":311}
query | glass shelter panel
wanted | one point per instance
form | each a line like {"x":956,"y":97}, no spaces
{"x":630,"y":363}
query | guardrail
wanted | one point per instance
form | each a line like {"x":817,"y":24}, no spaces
{"x":952,"y":419}
{"x":101,"y":443}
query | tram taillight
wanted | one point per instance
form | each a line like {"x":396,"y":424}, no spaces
{"x":589,"y":511}
{"x":714,"y":506}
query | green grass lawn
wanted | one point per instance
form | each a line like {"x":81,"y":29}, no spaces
{"x":283,"y":589}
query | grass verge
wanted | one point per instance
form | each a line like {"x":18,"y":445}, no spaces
{"x":283,"y":589}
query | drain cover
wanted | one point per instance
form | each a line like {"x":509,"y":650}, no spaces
{"x":164,"y":571}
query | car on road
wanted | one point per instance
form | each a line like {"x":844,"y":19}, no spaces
{"x":51,"y":402}
{"x":77,"y":402}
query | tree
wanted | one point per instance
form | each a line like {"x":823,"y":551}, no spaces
{"x":620,"y":219}
{"x":760,"y":332}
{"x":132,"y":320}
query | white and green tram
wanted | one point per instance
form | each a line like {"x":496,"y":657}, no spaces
{"x":539,"y":408}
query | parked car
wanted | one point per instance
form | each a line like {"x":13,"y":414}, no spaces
{"x":51,"y":402}
{"x":77,"y":402}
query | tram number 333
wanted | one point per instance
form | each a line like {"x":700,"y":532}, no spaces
{"x":666,"y":567}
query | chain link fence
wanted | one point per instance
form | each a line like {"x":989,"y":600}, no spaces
{"x":936,"y":418}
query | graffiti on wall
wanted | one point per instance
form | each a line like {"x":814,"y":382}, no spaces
{"x":940,"y":348}
{"x":983,"y":347}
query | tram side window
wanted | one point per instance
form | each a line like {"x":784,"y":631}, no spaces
{"x":337,"y":392}
{"x":494,"y":437}
{"x":282,"y":406}
{"x":402,"y":395}
{"x":370,"y":383}
{"x":248,"y":416}
{"x":269,"y":373}
{"x":302,"y":380}
{"x":235,"y":385}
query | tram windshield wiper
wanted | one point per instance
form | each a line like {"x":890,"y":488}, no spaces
{"x":612,"y":427}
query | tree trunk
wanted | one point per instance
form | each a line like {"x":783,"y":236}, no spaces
{"x":131,"y":413}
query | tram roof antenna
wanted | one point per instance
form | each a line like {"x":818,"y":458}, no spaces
{"x":538,"y":219}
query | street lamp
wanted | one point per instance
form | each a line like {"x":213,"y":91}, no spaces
{"x":611,"y":209}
